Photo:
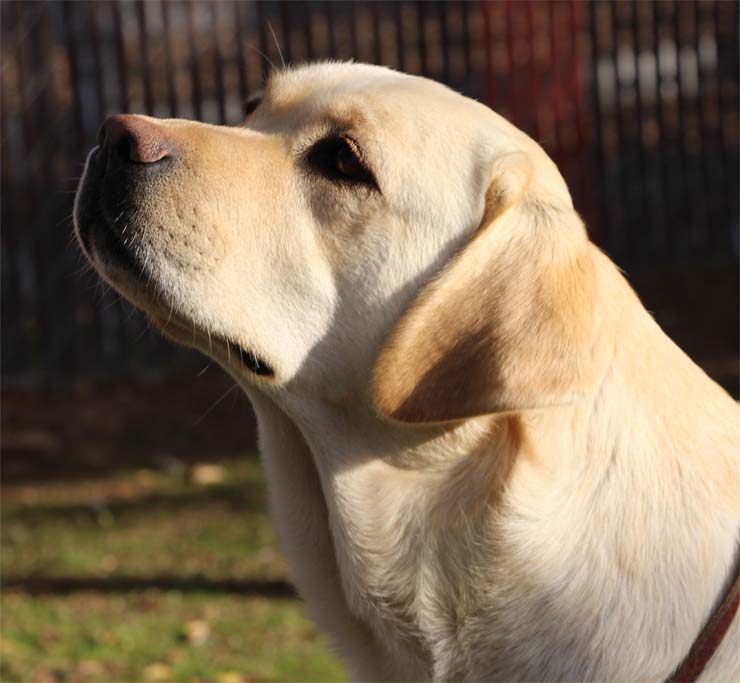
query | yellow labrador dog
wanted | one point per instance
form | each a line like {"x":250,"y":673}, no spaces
{"x":485,"y":459}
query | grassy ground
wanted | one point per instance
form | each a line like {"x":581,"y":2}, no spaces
{"x":151,"y":575}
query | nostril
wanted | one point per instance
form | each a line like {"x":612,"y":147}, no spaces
{"x":135,"y":139}
{"x":145,"y":150}
{"x":122,"y":148}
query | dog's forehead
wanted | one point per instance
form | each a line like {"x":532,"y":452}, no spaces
{"x":309,"y":79}
{"x":351,"y":89}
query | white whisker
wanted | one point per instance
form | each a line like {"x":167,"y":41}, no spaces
{"x":202,"y":372}
{"x":261,"y":54}
{"x":215,"y":403}
{"x":277,"y":45}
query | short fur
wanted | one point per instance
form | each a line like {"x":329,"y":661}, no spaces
{"x":485,"y":459}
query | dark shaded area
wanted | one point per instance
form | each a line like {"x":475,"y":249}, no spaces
{"x":128,"y":584}
{"x":98,"y":428}
{"x":697,"y":307}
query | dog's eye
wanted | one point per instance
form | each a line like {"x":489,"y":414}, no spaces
{"x":348,"y":163}
{"x":251,"y":103}
{"x":340,"y":158}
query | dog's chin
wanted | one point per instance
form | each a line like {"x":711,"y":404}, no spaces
{"x":141,"y":292}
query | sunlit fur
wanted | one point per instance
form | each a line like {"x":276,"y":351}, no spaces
{"x":485,"y":459}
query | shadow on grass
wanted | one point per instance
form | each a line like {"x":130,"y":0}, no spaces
{"x":241,"y":496}
{"x":64,"y":585}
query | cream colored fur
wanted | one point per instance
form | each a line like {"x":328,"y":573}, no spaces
{"x":485,"y":459}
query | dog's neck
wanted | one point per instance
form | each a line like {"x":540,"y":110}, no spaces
{"x":395,"y":493}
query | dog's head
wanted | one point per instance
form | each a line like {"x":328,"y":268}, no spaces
{"x":361,"y":228}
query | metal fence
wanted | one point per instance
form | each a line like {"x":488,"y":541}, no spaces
{"x":637,"y":102}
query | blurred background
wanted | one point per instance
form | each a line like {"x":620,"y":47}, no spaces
{"x":135,"y":542}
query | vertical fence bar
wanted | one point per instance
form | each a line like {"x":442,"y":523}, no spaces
{"x":708,"y":81}
{"x":92,"y":16}
{"x":622,"y":153}
{"x":195,"y":85}
{"x":22,"y":338}
{"x":724,"y":165}
{"x":490,"y":85}
{"x":121,"y":57}
{"x":70,"y":37}
{"x":703,"y":231}
{"x":420,"y":8}
{"x":308,"y":33}
{"x":331,"y":19}
{"x":605,"y":224}
{"x":727,"y":95}
{"x":144,"y":57}
{"x":577,"y":86}
{"x":218,"y":64}
{"x":240,"y":58}
{"x":375,"y":14}
{"x":467,"y":40}
{"x":557,"y":98}
{"x":400,"y":45}
{"x":262,"y":34}
{"x":646,"y":213}
{"x":36,"y":248}
{"x":532,"y":71}
{"x":659,"y":238}
{"x":286,"y":28}
{"x":445,"y":40}
{"x":687,"y":210}
{"x":354,"y":41}
{"x":513,"y":89}
{"x":169,"y":67}
{"x":11,"y":309}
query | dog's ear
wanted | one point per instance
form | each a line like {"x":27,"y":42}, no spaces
{"x":508,"y":324}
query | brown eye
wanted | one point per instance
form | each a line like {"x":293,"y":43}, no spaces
{"x":348,"y":163}
{"x":340,"y":159}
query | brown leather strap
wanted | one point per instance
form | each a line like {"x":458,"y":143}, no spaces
{"x":711,"y":635}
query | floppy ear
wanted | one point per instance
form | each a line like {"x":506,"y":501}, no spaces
{"x":508,"y":324}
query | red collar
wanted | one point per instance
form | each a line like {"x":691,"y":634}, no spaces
{"x":710,"y":636}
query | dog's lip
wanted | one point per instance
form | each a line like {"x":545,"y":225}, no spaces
{"x":234,"y":352}
{"x":254,"y":363}
{"x":115,"y":249}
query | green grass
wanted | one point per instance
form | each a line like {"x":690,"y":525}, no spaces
{"x":151,"y":577}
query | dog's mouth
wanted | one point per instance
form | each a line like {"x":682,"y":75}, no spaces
{"x":231,"y":352}
{"x":120,"y":258}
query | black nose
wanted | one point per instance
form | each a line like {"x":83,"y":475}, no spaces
{"x":134,"y":139}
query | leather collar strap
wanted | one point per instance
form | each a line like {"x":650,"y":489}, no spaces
{"x":711,"y":635}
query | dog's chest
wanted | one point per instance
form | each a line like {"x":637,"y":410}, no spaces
{"x":409,"y":562}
